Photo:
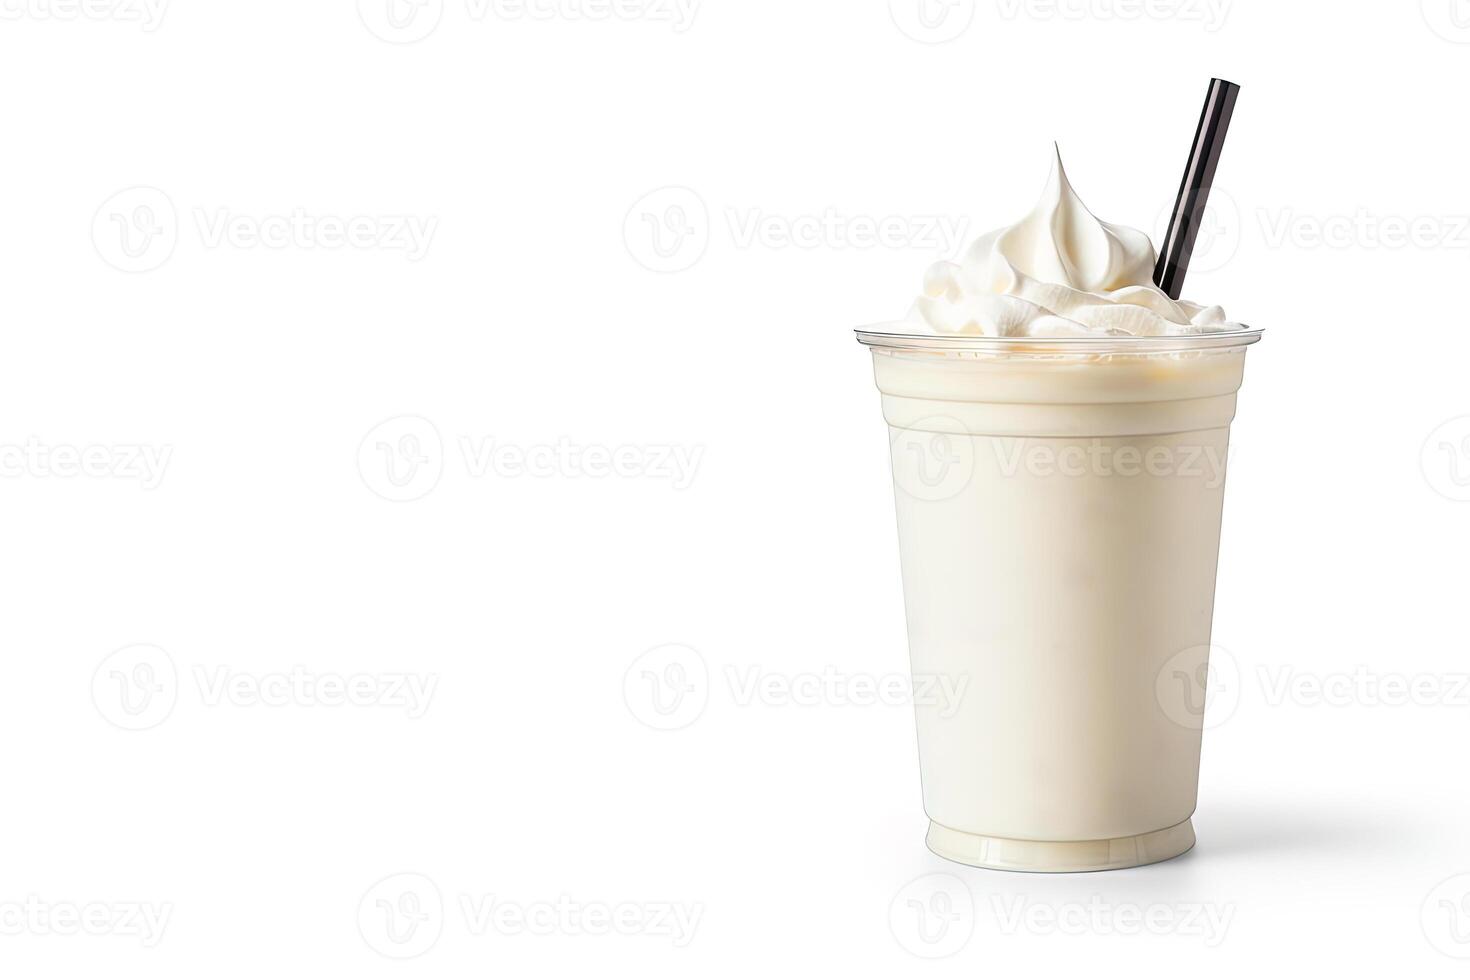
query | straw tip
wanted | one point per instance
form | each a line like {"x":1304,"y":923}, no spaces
{"x":1194,"y":190}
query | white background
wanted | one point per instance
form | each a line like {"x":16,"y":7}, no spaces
{"x":259,"y":824}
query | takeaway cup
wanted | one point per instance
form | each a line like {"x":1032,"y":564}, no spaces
{"x":1059,"y":506}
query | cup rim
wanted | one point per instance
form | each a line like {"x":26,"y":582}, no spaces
{"x":887,"y":336}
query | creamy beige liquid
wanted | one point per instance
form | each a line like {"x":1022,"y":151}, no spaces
{"x":1059,"y":523}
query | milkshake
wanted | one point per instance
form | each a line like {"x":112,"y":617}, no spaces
{"x":1059,"y":429}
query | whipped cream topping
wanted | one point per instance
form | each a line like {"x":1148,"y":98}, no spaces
{"x":1058,"y":272}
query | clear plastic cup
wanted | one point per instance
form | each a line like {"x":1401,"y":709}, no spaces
{"x":1059,"y":505}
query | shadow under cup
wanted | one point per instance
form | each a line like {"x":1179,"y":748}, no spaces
{"x":1059,"y":508}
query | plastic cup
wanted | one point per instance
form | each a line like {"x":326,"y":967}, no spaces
{"x":1059,"y":506}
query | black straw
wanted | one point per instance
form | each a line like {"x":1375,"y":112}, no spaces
{"x":1194,"y":191}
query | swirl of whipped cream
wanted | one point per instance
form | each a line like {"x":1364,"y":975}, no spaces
{"x":1058,"y":272}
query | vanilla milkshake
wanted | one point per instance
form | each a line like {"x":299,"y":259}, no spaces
{"x":1059,"y":429}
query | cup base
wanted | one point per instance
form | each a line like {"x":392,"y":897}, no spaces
{"x":1008,"y":854}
